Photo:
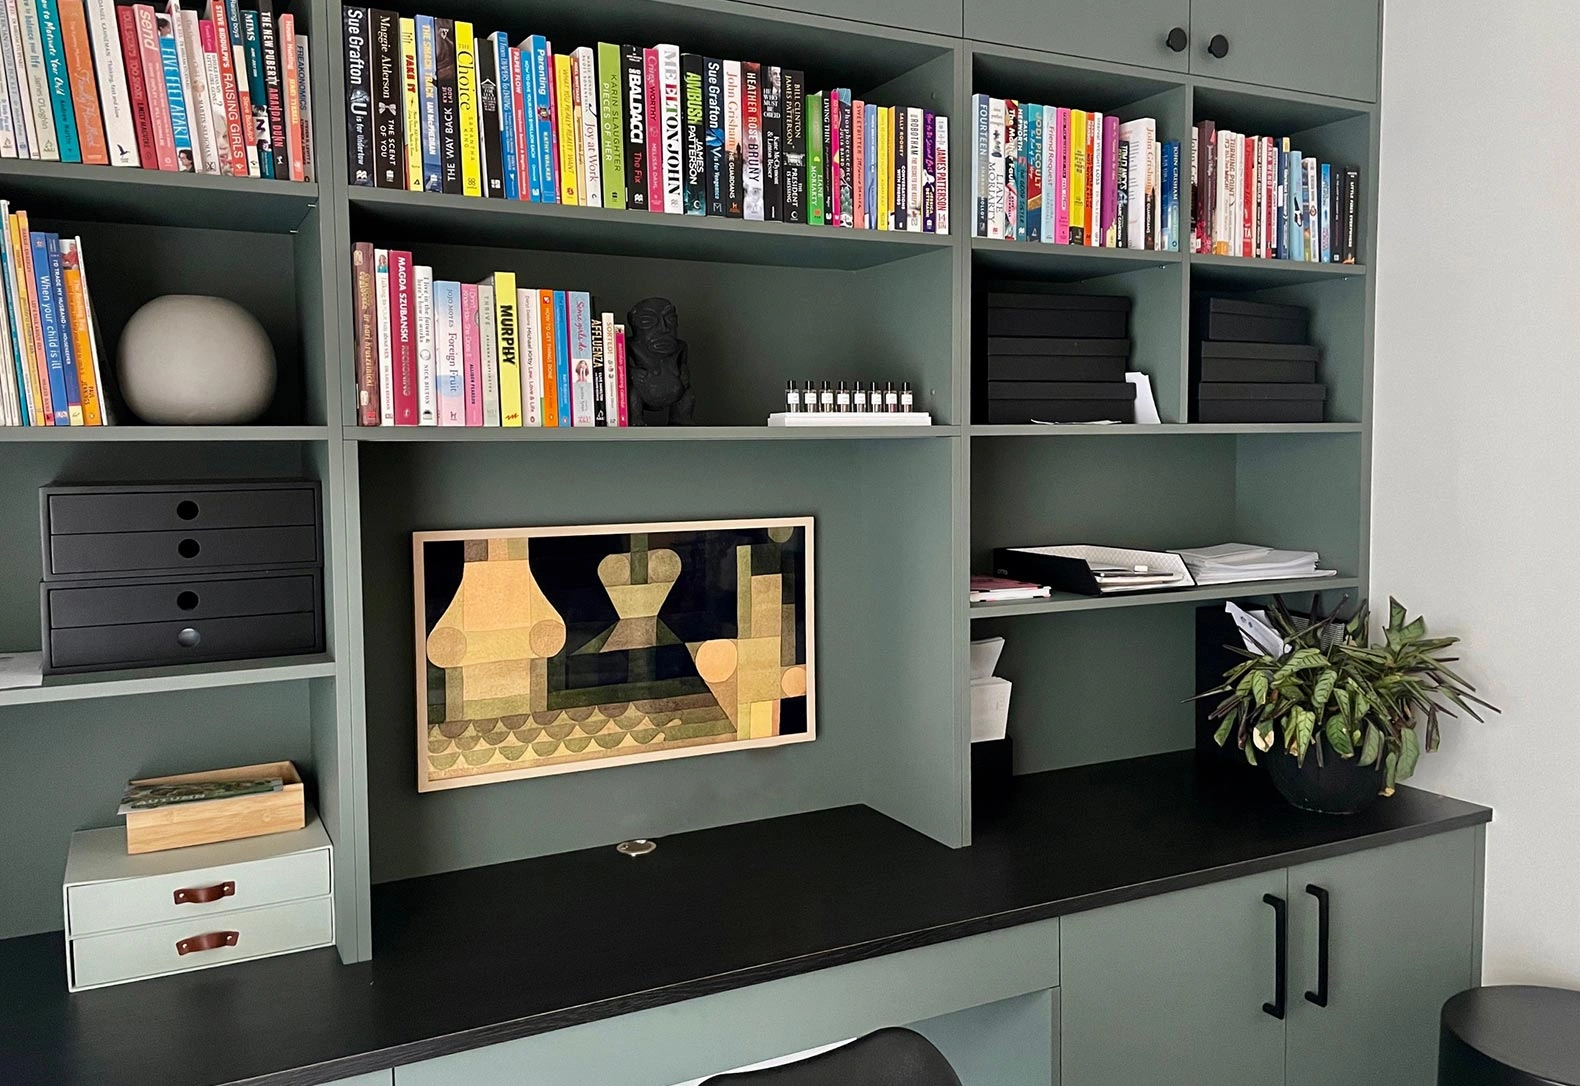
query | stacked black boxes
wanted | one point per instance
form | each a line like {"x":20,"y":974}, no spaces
{"x":1252,"y":362}
{"x":1054,"y":357}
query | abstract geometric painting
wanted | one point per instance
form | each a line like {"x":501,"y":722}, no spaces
{"x":552,"y":650}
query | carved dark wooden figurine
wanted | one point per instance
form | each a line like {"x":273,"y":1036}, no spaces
{"x":658,"y":380}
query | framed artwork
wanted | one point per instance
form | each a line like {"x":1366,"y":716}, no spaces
{"x":553,"y":650}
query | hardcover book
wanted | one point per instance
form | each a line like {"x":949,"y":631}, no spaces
{"x":815,"y":172}
{"x":941,"y":173}
{"x":403,"y":337}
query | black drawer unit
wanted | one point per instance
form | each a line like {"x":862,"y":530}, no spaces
{"x":140,"y":576}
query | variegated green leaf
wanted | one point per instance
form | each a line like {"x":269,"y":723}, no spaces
{"x":1259,"y":685}
{"x":1409,"y":754}
{"x":1339,"y":737}
{"x":1390,"y":772}
{"x":1322,"y":690}
{"x":1305,"y":731}
{"x":1262,"y":737}
{"x":1221,"y":736}
{"x":1372,"y":747}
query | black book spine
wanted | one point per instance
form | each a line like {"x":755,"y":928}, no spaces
{"x":1352,"y":208}
{"x":1121,"y":209}
{"x":830,"y":104}
{"x":773,"y":143}
{"x":635,"y":128}
{"x":901,"y":210}
{"x":274,"y":87}
{"x":385,"y":28}
{"x":600,"y":397}
{"x":713,"y":125}
{"x":794,"y":196}
{"x":489,"y":142}
{"x":694,"y":139}
{"x":449,"y":107}
{"x":359,"y":98}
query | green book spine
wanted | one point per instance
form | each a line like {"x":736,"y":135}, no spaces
{"x":814,"y":159}
{"x":611,"y":123}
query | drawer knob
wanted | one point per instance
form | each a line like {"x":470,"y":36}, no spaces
{"x":188,"y":548}
{"x":202,"y":895}
{"x":212,"y":940}
{"x":1218,"y":46}
{"x":1177,"y":39}
{"x":187,"y":600}
{"x":187,"y":510}
{"x":189,"y":638}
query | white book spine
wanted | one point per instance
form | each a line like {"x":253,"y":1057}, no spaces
{"x":530,"y":322}
{"x":427,"y":378}
{"x":216,"y":111}
{"x":8,"y":144}
{"x":184,"y":76}
{"x":913,"y":170}
{"x":1259,"y":194}
{"x":449,"y":361}
{"x":381,"y":296}
{"x":1094,"y":177}
{"x":980,"y":108}
{"x":194,"y":81}
{"x":1049,"y":165}
{"x":735,"y":124}
{"x":488,"y":352}
{"x":1155,"y":189}
{"x":996,"y":167}
{"x":304,"y":81}
{"x":941,"y":194}
{"x":10,"y":49}
{"x":238,"y":54}
{"x":669,"y":120}
{"x":587,"y":78}
{"x":579,"y":311}
{"x":42,"y":134}
{"x":611,"y":384}
{"x":1135,"y":211}
{"x":1313,"y":198}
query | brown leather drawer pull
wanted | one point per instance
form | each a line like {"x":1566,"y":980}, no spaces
{"x":202,"y":895}
{"x":210,"y":941}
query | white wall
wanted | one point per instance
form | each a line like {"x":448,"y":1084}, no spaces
{"x":1476,"y":500}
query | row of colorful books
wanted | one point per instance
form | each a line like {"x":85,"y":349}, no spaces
{"x":1072,"y":177}
{"x":443,"y":353}
{"x":433,"y":107}
{"x":133,"y":85}
{"x":1256,"y":196}
{"x":49,"y":345}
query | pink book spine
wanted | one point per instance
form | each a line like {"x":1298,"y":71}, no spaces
{"x":471,"y":356}
{"x":1061,"y":158}
{"x":1109,"y":235}
{"x":518,"y":103}
{"x":652,"y":112}
{"x":154,"y":79}
{"x":624,"y":405}
{"x":403,"y":334}
{"x":836,"y":154}
{"x":1270,"y":205}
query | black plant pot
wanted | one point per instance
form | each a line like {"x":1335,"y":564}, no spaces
{"x":1337,"y":786}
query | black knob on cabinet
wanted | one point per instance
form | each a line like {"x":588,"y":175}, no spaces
{"x":1219,"y":46}
{"x":1177,"y":39}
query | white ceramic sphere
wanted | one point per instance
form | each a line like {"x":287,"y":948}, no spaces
{"x":195,"y":360}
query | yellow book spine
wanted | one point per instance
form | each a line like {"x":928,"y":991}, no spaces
{"x":1077,"y":177}
{"x":885,"y":167}
{"x":507,"y":332}
{"x":411,"y":106}
{"x":578,"y":111}
{"x":77,"y":315}
{"x":466,"y":101}
{"x":29,"y":333}
{"x":565,"y":127}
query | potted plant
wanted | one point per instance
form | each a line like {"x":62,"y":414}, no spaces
{"x":1339,"y":719}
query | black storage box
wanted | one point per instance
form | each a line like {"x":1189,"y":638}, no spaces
{"x":1272,"y":402}
{"x":992,"y":774}
{"x":1068,"y":316}
{"x":1237,"y":321}
{"x":1012,"y":402}
{"x":1038,"y":358}
{"x":1285,"y":363}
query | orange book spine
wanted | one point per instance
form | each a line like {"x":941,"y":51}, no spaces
{"x":36,"y":335}
{"x":551,"y":386}
{"x":81,"y":340}
{"x":84,"y":88}
{"x":293,"y":103}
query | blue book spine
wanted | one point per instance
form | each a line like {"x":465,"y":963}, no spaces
{"x":562,"y":356}
{"x":1031,"y":139}
{"x":1171,"y":190}
{"x":68,"y":352}
{"x":59,"y":81}
{"x":54,"y":360}
{"x":1297,"y":210}
{"x":527,"y":157}
{"x":1327,"y":213}
{"x":542,"y":80}
{"x":428,"y":104}
{"x":178,"y":105}
{"x":869,"y":150}
{"x":507,"y":115}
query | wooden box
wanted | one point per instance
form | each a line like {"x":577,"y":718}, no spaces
{"x":186,"y":824}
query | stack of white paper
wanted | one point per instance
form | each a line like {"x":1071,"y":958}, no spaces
{"x":1229,"y":563}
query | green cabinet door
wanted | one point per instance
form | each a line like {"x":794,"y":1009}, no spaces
{"x":1400,"y":941}
{"x":1168,"y":991}
{"x":934,"y":16}
{"x":1129,"y":31}
{"x":1323,"y":48}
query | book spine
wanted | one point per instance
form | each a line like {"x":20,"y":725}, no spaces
{"x":1313,"y":212}
{"x":385,"y":340}
{"x":885,"y":165}
{"x":562,"y":357}
{"x":471,"y":361}
{"x":1325,"y":226}
{"x":694,"y":179}
{"x":249,"y":96}
{"x":427,"y":375}
{"x":528,"y":356}
{"x":39,"y":361}
{"x":913,"y":170}
{"x":1352,"y":209}
{"x":228,"y":101}
{"x":490,"y":143}
{"x":713,"y":126}
{"x":54,"y":358}
{"x":360,"y":97}
{"x":1046,"y":136}
{"x":1122,"y":196}
{"x":548,"y":359}
{"x":213,"y":103}
{"x":795,"y":166}
{"x":652,"y":100}
{"x":1014,"y":172}
{"x":175,"y":93}
{"x":525,"y":124}
{"x":447,"y":90}
{"x":1248,"y":156}
{"x":1078,"y":144}
{"x":546,"y":74}
{"x":75,"y":305}
{"x":403,"y":338}
{"x":929,"y":174}
{"x":512,"y":170}
{"x":17,"y":112}
{"x":838,"y":147}
{"x":753,"y":204}
{"x":68,"y":354}
{"x":431,"y":164}
{"x":274,"y":89}
{"x":996,"y":174}
{"x":488,"y":351}
{"x":409,"y":126}
{"x":671,"y":127}
{"x":981,"y":150}
{"x":611,"y":112}
{"x":589,"y":158}
{"x":814,"y":156}
{"x":858,"y":164}
{"x":1094,"y":179}
{"x":1154,"y":196}
{"x":258,"y":82}
{"x":579,"y":309}
{"x":579,"y":148}
{"x":773,"y":147}
{"x":620,"y":375}
{"x":734,"y":133}
{"x":898,"y":165}
{"x":291,"y":91}
{"x":941,"y":173}
{"x":45,"y":142}
{"x":1109,"y":231}
{"x":466,"y":116}
{"x":136,"y":93}
{"x":71,"y":80}
{"x":157,"y":87}
{"x":366,"y":334}
{"x":635,"y":128}
{"x":600,"y":387}
{"x":870,"y":164}
{"x":449,"y":362}
{"x":1060,"y":178}
{"x":385,"y":90}
{"x":1172,"y":190}
{"x":565,"y":132}
{"x":507,"y":331}
{"x":1031,"y":151}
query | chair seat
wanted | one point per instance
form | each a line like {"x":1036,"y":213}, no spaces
{"x":1510,"y":1035}
{"x":889,"y":1057}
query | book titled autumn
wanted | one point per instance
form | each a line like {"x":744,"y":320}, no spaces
{"x":148,"y":797}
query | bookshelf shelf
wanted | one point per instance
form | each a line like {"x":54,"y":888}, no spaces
{"x":432,"y":217}
{"x":163,"y":680}
{"x":993,"y":256}
{"x":1066,"y":602}
{"x":1244,"y":273}
{"x":641,"y":434}
{"x":112,"y":434}
{"x":1169,"y":429}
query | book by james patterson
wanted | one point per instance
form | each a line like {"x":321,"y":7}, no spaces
{"x":795,"y":146}
{"x":507,"y":331}
{"x":713,"y":133}
{"x":428,"y":103}
{"x":694,"y":180}
{"x":734,"y":153}
{"x":751,"y":141}
{"x":773,"y":143}
{"x":450,"y":179}
{"x":611,"y":107}
{"x":941,"y":174}
{"x":490,"y":142}
{"x":427,"y":375}
{"x":636,"y":165}
{"x":815,"y":172}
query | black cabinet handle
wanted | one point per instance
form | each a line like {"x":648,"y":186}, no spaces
{"x":1320,"y":996}
{"x":1177,"y":39}
{"x":1280,"y":955}
{"x":1218,"y":46}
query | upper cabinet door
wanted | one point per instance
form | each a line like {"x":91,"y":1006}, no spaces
{"x":1129,"y":31}
{"x":933,"y":16}
{"x":1321,"y":48}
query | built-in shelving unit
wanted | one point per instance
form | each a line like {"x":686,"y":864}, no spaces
{"x":903,"y":515}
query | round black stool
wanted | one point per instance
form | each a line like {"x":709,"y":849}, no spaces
{"x":1512,"y":1035}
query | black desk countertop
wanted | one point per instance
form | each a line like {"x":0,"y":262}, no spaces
{"x":851,"y":884}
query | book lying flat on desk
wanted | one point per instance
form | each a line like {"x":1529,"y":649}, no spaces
{"x":1002,"y":589}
